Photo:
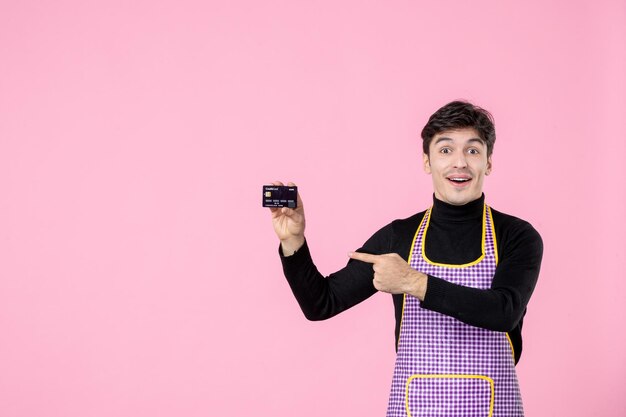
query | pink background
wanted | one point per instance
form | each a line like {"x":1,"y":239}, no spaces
{"x":138,"y":272}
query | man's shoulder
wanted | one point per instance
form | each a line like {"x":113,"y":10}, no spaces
{"x":407,"y":225}
{"x":509,"y":227}
{"x":508,"y":220}
{"x":398,"y":229}
{"x":396,"y":236}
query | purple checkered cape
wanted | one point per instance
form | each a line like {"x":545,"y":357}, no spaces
{"x":446,"y":368}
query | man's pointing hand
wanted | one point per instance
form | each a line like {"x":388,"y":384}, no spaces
{"x":393,"y":275}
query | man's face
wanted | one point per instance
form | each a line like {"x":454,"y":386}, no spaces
{"x":458,"y":164}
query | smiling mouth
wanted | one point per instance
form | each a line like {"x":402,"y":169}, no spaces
{"x":459,"y":181}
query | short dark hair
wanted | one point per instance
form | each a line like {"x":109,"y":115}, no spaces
{"x":459,"y":115}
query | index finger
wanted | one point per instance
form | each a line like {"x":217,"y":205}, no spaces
{"x":298,"y":198}
{"x":299,"y":204}
{"x":365,"y":257}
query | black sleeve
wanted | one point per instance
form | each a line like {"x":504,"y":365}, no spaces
{"x":321,"y":298}
{"x":501,"y":307}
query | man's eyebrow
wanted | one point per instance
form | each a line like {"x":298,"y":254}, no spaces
{"x":479,"y":140}
{"x":446,"y":139}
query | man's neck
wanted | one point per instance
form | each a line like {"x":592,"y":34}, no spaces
{"x":470,"y":211}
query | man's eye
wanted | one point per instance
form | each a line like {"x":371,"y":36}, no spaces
{"x":473,"y":151}
{"x":445,"y":150}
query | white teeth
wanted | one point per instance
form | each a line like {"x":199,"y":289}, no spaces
{"x":460,"y":179}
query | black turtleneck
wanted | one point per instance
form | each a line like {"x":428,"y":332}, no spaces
{"x":454,"y":237}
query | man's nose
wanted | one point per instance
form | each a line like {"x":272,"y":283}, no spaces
{"x":460,"y":161}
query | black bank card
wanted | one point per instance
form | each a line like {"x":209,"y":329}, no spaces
{"x":280,"y":196}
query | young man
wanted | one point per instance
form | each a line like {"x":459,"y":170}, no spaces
{"x":461,"y":275}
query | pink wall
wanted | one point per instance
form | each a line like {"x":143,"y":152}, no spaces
{"x":138,"y":272}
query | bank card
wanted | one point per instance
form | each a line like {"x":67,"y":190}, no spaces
{"x":280,"y":196}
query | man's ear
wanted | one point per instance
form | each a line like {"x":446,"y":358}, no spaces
{"x":426,"y":164}
{"x":489,"y":166}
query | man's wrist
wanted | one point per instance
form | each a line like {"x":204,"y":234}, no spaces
{"x":291,"y":245}
{"x":418,"y":288}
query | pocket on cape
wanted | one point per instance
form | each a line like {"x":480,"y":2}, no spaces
{"x":443,"y":395}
